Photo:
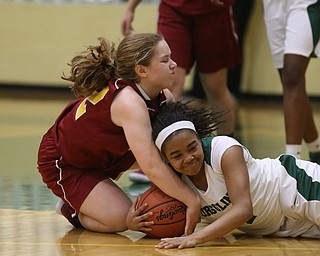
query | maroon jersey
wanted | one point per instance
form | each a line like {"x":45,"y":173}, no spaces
{"x":195,"y":7}
{"x":85,"y":137}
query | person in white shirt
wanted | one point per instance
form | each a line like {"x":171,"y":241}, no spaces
{"x":272,"y":197}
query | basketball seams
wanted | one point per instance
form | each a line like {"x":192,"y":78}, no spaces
{"x":143,"y":198}
{"x":167,"y":224}
{"x":168,"y":213}
{"x":159,"y":205}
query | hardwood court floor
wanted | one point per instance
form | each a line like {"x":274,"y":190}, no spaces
{"x":29,"y":225}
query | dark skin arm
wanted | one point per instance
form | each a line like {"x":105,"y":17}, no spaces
{"x":238,"y":187}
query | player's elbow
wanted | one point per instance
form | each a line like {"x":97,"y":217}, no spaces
{"x":247,"y":212}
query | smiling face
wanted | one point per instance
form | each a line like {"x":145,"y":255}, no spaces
{"x":183,"y":150}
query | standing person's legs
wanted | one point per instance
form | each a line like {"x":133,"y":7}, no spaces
{"x":176,"y":28}
{"x":215,"y":55}
{"x":242,"y":10}
{"x":298,"y":47}
{"x":292,"y":41}
{"x":215,"y":86}
{"x":297,"y":109}
{"x":178,"y":84}
{"x":299,"y":121}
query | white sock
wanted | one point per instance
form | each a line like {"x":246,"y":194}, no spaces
{"x":314,"y":146}
{"x":294,"y":149}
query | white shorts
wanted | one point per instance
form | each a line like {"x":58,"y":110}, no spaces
{"x":299,"y":198}
{"x":296,"y":228}
{"x":292,"y":28}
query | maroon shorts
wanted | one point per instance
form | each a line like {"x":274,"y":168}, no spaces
{"x":209,"y":39}
{"x":70,"y":183}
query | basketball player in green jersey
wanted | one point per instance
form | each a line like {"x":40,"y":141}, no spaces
{"x":273,"y":197}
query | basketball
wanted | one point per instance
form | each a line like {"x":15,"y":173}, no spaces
{"x":169,"y":214}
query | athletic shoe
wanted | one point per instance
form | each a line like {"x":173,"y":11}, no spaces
{"x":65,"y":210}
{"x":315,"y":157}
{"x":59,"y":205}
{"x":138,"y":176}
{"x":137,"y":189}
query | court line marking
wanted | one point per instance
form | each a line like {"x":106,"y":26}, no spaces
{"x":18,"y":213}
{"x":146,"y":245}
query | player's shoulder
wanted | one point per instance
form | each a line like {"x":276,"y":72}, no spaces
{"x":127,"y":96}
{"x":126,"y":103}
{"x":225,"y":139}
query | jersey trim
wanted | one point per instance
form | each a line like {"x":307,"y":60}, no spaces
{"x":314,"y":16}
{"x":206,"y":145}
{"x":306,"y":187}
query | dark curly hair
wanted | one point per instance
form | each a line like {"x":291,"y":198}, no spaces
{"x":204,"y":118}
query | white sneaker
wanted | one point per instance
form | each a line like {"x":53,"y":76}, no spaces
{"x":138,"y":176}
{"x":59,"y":205}
{"x":137,"y":189}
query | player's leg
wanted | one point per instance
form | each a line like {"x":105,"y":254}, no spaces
{"x":215,"y":55}
{"x":299,"y":44}
{"x":105,"y":208}
{"x":91,"y":200}
{"x":295,"y":99}
{"x":88,"y":192}
{"x":299,"y":191}
{"x":178,"y":84}
{"x":177,"y":30}
{"x":215,"y":86}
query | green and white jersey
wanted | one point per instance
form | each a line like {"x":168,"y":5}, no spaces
{"x":293,"y":27}
{"x":285,"y":192}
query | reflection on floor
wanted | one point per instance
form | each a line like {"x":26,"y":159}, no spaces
{"x":46,"y":233}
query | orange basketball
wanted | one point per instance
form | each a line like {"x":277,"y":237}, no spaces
{"x":169,"y":214}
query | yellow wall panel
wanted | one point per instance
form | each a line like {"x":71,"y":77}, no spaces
{"x":37,"y":41}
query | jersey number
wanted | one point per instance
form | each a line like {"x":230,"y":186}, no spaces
{"x":94,"y":99}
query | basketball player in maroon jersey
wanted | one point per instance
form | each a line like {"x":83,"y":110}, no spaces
{"x":107,"y":129}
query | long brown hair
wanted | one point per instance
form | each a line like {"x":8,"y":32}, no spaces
{"x":93,"y":68}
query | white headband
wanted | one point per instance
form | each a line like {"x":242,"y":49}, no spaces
{"x":166,"y":132}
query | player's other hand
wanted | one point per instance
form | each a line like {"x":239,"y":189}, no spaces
{"x":136,"y":221}
{"x":193,"y":216}
{"x":126,"y":23}
{"x":177,"y":242}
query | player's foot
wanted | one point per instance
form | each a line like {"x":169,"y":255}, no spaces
{"x":138,"y":176}
{"x":137,"y":189}
{"x":315,"y":157}
{"x":59,"y":205}
{"x":65,"y":210}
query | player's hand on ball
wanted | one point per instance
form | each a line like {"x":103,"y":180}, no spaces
{"x":177,"y":242}
{"x":193,"y":216}
{"x":137,"y":222}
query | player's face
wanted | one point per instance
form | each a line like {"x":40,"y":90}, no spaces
{"x":184,"y":152}
{"x":161,"y":71}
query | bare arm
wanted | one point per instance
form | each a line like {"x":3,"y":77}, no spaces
{"x":237,"y":181}
{"x":127,"y":19}
{"x":129,"y":111}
